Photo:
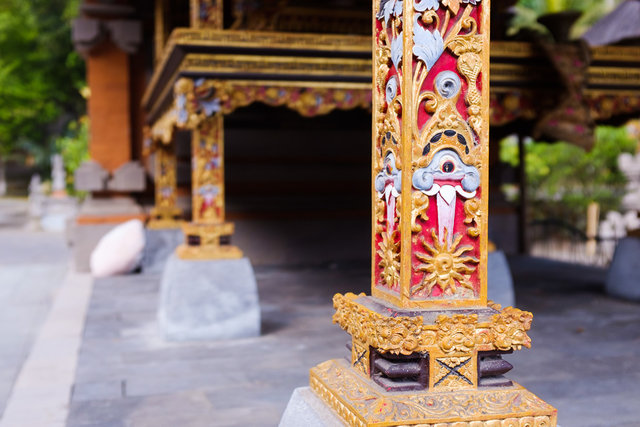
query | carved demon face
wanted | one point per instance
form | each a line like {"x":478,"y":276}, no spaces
{"x":447,"y":177}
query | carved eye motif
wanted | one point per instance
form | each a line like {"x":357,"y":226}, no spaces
{"x":392,"y":89}
{"x":448,"y":164}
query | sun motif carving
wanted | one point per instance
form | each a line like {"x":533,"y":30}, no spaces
{"x":389,"y":260}
{"x":445,"y":266}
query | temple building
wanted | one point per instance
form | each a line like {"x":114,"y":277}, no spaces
{"x":251,"y":119}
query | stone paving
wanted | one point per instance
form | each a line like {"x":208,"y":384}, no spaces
{"x":584,"y":361}
{"x":585,"y":357}
{"x":32,"y":268}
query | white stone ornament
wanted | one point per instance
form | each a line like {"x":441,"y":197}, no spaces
{"x":119,"y":251}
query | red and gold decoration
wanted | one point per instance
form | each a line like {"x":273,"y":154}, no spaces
{"x":427,"y":346}
{"x":165,"y":214}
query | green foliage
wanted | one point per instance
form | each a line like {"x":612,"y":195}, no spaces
{"x":40,"y":74}
{"x":528,"y":11}
{"x":74,"y":147}
{"x":562,"y":179}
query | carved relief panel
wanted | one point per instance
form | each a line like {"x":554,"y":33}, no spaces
{"x":430,"y":152}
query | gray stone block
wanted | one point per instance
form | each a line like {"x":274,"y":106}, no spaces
{"x":160,"y":245}
{"x":623,"y":280}
{"x":306,"y":409}
{"x":499,"y":280}
{"x":128,"y":178}
{"x":90,"y":176}
{"x":208,"y":300}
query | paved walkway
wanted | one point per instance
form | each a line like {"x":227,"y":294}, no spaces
{"x":33,"y":266}
{"x":584,"y":361}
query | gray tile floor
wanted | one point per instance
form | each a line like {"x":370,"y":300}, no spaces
{"x":585,"y":359}
{"x":32,"y":268}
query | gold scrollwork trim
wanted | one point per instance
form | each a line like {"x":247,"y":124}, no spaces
{"x":452,"y":335}
{"x":360,"y":403}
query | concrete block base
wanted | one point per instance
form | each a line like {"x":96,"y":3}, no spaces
{"x":208,"y":300}
{"x":623,"y":280}
{"x":160,"y":245}
{"x":500,"y":283}
{"x":306,"y":409}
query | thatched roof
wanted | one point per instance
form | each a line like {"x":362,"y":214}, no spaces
{"x":620,"y":25}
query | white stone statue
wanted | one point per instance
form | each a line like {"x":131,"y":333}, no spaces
{"x":36,"y":197}
{"x":630,"y":166}
{"x":58,"y":175}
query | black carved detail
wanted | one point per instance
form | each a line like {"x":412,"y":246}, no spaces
{"x":436,"y":137}
{"x":450,"y":132}
{"x":426,"y":150}
{"x":466,"y":150}
{"x":193,"y":240}
{"x":491,"y":369}
{"x":462,"y":139}
{"x":400,"y":373}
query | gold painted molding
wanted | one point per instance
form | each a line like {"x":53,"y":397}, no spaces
{"x":457,"y":334}
{"x":361,"y":403}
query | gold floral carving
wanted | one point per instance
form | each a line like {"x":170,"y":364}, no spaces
{"x":361,"y":403}
{"x":456,"y":334}
{"x":510,"y":329}
{"x":419,"y":210}
{"x":473,"y":211}
{"x":225,"y":97}
{"x":389,"y":252}
{"x":450,"y":335}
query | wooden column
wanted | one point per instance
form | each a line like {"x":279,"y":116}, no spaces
{"x":206,"y":14}
{"x":165,"y":213}
{"x":208,"y":236}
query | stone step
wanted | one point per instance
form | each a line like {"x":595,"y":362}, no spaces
{"x":397,"y":369}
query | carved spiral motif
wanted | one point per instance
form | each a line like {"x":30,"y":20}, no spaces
{"x":448,"y":84}
{"x":392,"y":89}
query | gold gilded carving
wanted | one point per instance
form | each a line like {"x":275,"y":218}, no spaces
{"x":451,"y":335}
{"x":420,"y":206}
{"x":473,"y":211}
{"x":360,"y":357}
{"x":165,"y":214}
{"x":399,"y":335}
{"x":456,"y":334}
{"x":361,"y":403}
{"x":454,"y":373}
{"x":510,"y":329}
{"x":445,"y":266}
{"x":196,"y":102}
{"x":389,"y":252}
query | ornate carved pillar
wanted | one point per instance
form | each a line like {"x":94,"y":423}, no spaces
{"x":206,"y":14}
{"x":165,"y":214}
{"x":208,"y":236}
{"x":426,"y":347}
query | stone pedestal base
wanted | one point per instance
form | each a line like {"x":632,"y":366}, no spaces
{"x":160,"y":245}
{"x":360,"y":402}
{"x":623,"y":280}
{"x":306,"y":409}
{"x":500,"y":281}
{"x":208,"y":300}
